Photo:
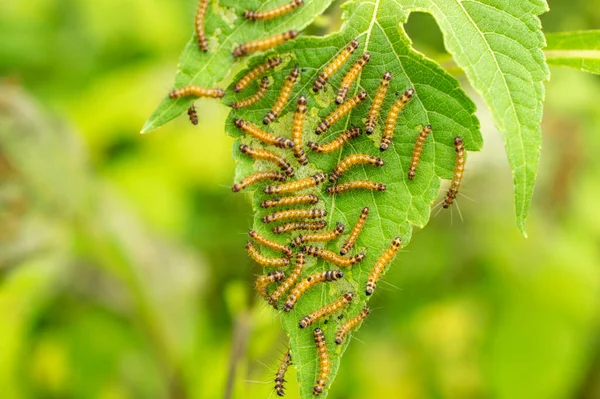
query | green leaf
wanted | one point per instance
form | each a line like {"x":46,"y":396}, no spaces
{"x":225,"y":28}
{"x":499,"y":45}
{"x":579,"y":50}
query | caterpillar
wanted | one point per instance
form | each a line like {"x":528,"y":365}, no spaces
{"x":414,"y":163}
{"x":334,"y":65}
{"x":193,"y":115}
{"x":297,"y":128}
{"x":336,"y":143}
{"x":256,"y":72}
{"x":262,"y":282}
{"x":289,"y":281}
{"x":284,"y":95}
{"x":326,"y":310}
{"x":263,"y":260}
{"x":324,"y":362}
{"x":270,"y":243}
{"x":273,"y":13}
{"x":295,"y":214}
{"x":297,"y":185}
{"x":309,"y":282}
{"x":459,"y":170}
{"x":196,"y":91}
{"x":267,"y":155}
{"x":253,"y":99}
{"x":200,"y":35}
{"x":319,"y":237}
{"x":351,"y":160}
{"x":377,"y":103}
{"x":351,"y":77}
{"x":392,"y":117}
{"x":294,"y":226}
{"x":358,"y":226}
{"x":350,"y":324}
{"x":257,"y":177}
{"x":265,"y":137}
{"x":339,"y":112}
{"x":332,"y":257}
{"x":300,"y":199}
{"x":264,"y":44}
{"x":356,"y":185}
{"x":280,"y":375}
{"x":384,"y":259}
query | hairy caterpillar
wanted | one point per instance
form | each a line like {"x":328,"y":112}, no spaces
{"x":351,"y":77}
{"x":333,"y":257}
{"x":196,"y":91}
{"x":265,"y":137}
{"x":273,"y":13}
{"x":377,"y":103}
{"x":300,"y":199}
{"x":309,"y":282}
{"x":297,"y":128}
{"x":264,"y":260}
{"x":193,"y":115}
{"x":295,"y":214}
{"x":356,"y":185}
{"x":267,"y":155}
{"x":264,"y":44}
{"x":257,"y":177}
{"x":253,"y":99}
{"x":414,"y":163}
{"x":270,"y":243}
{"x":294,"y":226}
{"x":339,"y":112}
{"x":336,"y":143}
{"x":297,"y":185}
{"x":324,"y":362}
{"x":262,"y":282}
{"x":351,"y":160}
{"x":385,"y":258}
{"x":350,"y":324}
{"x":280,"y":375}
{"x":200,"y":35}
{"x":334,"y":65}
{"x":284,"y":96}
{"x":326,"y":310}
{"x":289,"y":281}
{"x":319,"y":237}
{"x":358,"y":226}
{"x":459,"y":170}
{"x":392,"y":117}
{"x":256,"y":72}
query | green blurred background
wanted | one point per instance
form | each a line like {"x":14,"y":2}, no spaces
{"x":122,"y":266}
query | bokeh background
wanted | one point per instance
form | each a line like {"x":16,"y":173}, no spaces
{"x":122,"y":265}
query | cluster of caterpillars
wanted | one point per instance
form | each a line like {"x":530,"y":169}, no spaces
{"x":296,"y":202}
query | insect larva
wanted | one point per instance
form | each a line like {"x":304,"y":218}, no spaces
{"x":326,"y":310}
{"x":334,"y":65}
{"x":336,"y":143}
{"x":196,"y":91}
{"x":351,"y":160}
{"x":294,"y":226}
{"x":414,"y":163}
{"x":297,"y":185}
{"x":392,"y":117}
{"x":284,"y":95}
{"x":309,"y":282}
{"x":264,"y":44}
{"x":295,"y":214}
{"x":257,"y":177}
{"x":351,"y":77}
{"x":358,"y":226}
{"x":253,"y":99}
{"x":200,"y":35}
{"x":263,"y":260}
{"x":300,"y":199}
{"x":273,"y":13}
{"x":319,"y":237}
{"x":192,"y":114}
{"x":332,"y":257}
{"x":267,"y":155}
{"x":324,"y":362}
{"x":262,"y":282}
{"x":356,"y":185}
{"x":459,"y":170}
{"x":377,"y":102}
{"x":384,"y":259}
{"x":297,"y":128}
{"x":350,"y":324}
{"x":270,"y":243}
{"x":265,"y":137}
{"x":280,"y":375}
{"x":289,"y":281}
{"x":256,"y":72}
{"x":339,"y":112}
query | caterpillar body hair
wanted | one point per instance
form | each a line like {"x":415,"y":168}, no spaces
{"x":334,"y":65}
{"x":351,"y":160}
{"x":270,"y":243}
{"x":339,"y":112}
{"x":332,"y":257}
{"x":256,"y":72}
{"x":295,"y":226}
{"x":309,"y":282}
{"x":273,"y":13}
{"x":264,"y":260}
{"x":280,"y":375}
{"x":377,"y":103}
{"x":265,"y":137}
{"x":336,"y":143}
{"x":319,"y":237}
{"x":196,"y":91}
{"x":264,"y":44}
{"x":385,"y":258}
{"x":358,"y":226}
{"x":414,"y":163}
{"x":284,"y":96}
{"x":257,"y":177}
{"x":296,"y":185}
{"x":459,"y":170}
{"x":392,"y":117}
{"x":324,"y":362}
{"x":351,"y":77}
{"x":199,"y":22}
{"x":356,"y":185}
{"x":263,"y":282}
{"x":295,"y":214}
{"x":289,"y":281}
{"x":301,"y":199}
{"x":253,"y":99}
{"x":258,"y":153}
{"x":193,"y":115}
{"x":297,"y":129}
{"x":351,"y":324}
{"x":326,"y":310}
